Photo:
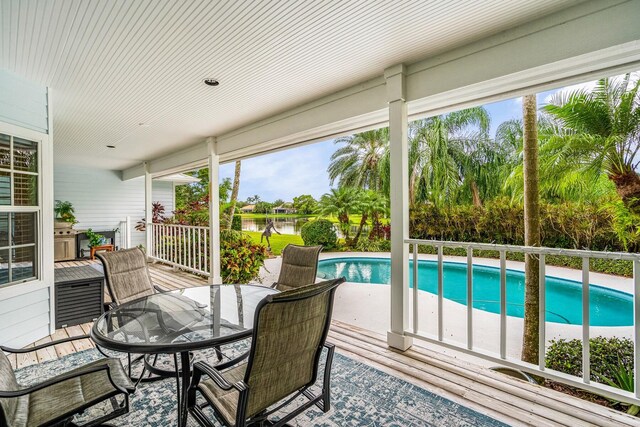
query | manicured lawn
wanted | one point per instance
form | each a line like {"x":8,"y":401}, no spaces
{"x":278,"y":241}
{"x":354,"y":218}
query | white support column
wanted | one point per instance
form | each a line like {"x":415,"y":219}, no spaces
{"x":214,"y":212}
{"x":148,"y":209}
{"x":395,"y":77}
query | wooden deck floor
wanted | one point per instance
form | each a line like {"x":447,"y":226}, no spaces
{"x":506,"y":399}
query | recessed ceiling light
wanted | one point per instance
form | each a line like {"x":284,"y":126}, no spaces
{"x":111,"y":146}
{"x":211,"y":82}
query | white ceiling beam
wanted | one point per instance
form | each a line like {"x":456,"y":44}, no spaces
{"x":590,"y":37}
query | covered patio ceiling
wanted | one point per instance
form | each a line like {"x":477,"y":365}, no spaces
{"x":130,"y":73}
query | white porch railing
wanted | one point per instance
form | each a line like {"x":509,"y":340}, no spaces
{"x":181,"y":246}
{"x":501,"y":357}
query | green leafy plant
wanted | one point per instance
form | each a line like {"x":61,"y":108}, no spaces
{"x":319,"y":232}
{"x":622,"y":377}
{"x":236,"y":223}
{"x":64,"y":211}
{"x":367,"y":245}
{"x":240,"y":258}
{"x":95,"y":239}
{"x":606,"y":355}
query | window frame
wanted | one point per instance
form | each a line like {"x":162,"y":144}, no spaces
{"x":44,"y":204}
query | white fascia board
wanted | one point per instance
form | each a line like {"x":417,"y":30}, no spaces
{"x":583,"y":42}
{"x":180,"y":161}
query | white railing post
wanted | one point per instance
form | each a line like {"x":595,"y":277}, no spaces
{"x":399,"y":159}
{"x":586,"y":357}
{"x":148,"y":207}
{"x":503,"y":304}
{"x":415,"y":288}
{"x":214,"y":212}
{"x":542,"y":313}
{"x":469,"y":298}
{"x":127,"y":239}
{"x":636,"y":327}
{"x":440,"y":292}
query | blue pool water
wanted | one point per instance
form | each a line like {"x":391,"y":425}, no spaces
{"x":563,"y":297}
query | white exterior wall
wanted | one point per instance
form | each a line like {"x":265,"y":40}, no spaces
{"x":102,"y":200}
{"x":26,"y":308}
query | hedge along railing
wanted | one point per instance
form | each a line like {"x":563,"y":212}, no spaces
{"x":182,"y":246}
{"x":502,"y":358}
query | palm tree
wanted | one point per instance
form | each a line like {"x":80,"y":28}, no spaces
{"x":370,"y":204}
{"x":531,"y":331}
{"x":234,"y":193}
{"x":598,"y":132}
{"x":441,"y":155}
{"x":341,"y":202}
{"x":357,"y":164}
{"x":556,"y":185}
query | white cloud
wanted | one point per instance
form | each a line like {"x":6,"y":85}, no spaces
{"x":285,"y":174}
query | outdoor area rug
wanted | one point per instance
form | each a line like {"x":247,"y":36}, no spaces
{"x":360,"y":396}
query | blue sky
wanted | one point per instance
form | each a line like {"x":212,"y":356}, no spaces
{"x":303,"y":170}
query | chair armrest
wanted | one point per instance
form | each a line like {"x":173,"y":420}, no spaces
{"x":41,"y":346}
{"x":217,"y":377}
{"x":61,"y":378}
{"x":159,"y":289}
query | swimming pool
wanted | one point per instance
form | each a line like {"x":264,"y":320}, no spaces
{"x":608,"y":307}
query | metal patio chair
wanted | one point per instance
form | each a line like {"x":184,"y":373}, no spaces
{"x":288,"y":339}
{"x":127,"y":275}
{"x":299,"y":267}
{"x":128,"y":278}
{"x":55,"y":401}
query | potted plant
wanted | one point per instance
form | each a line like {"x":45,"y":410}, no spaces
{"x":95,"y":239}
{"x":64,"y":214}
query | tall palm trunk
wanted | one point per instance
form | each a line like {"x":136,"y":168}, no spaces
{"x":628,"y":188}
{"x":475,"y":192}
{"x":345,"y":225}
{"x":531,"y":333}
{"x":234,"y":194}
{"x":363,"y":222}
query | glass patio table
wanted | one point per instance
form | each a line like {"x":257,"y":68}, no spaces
{"x":178,"y":322}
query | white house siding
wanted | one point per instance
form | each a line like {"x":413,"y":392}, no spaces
{"x":25,"y":308}
{"x":102,"y":200}
{"x":24,"y":318}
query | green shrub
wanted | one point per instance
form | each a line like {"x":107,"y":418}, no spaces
{"x":319,"y":232}
{"x":606,"y":355}
{"x":566,"y":225}
{"x":236,"y":223}
{"x":240,"y":258}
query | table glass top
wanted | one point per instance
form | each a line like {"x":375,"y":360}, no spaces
{"x":181,"y":320}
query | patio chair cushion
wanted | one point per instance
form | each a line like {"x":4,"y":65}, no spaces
{"x":277,"y":371}
{"x":66,"y":397}
{"x":299,"y":266}
{"x":226,"y":401}
{"x":8,"y":382}
{"x":127,"y":274}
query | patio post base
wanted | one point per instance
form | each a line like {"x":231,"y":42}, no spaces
{"x":399,"y":341}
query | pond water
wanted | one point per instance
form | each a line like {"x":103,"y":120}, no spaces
{"x":284,"y":224}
